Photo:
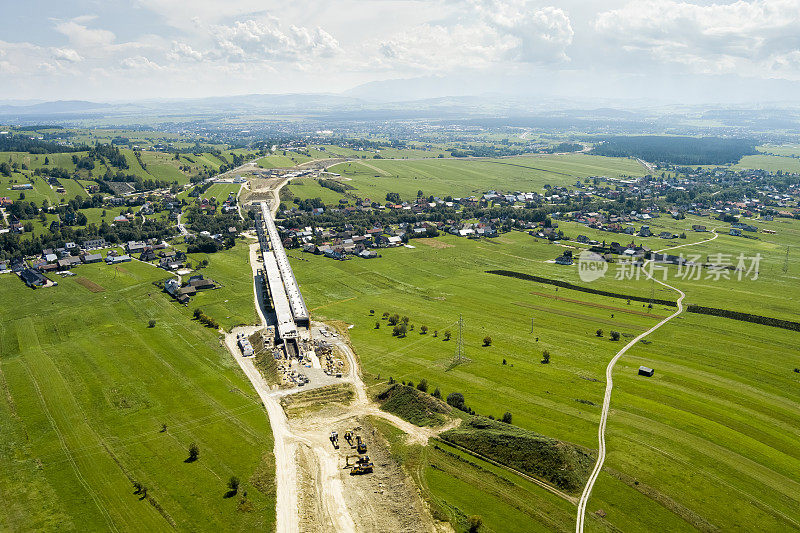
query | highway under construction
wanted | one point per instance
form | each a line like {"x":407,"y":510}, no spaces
{"x":290,"y":309}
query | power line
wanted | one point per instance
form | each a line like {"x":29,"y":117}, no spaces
{"x":459,"y":358}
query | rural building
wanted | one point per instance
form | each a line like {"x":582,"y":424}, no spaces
{"x":68,"y":262}
{"x":564,"y":260}
{"x":93,"y":244}
{"x":735,"y":232}
{"x":22,"y":186}
{"x":92,"y":258}
{"x":32,"y":278}
{"x":114,"y":259}
{"x":172,"y":286}
{"x":199,"y":283}
{"x":698,"y":227}
{"x":645,"y":371}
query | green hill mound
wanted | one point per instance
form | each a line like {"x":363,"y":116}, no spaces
{"x":560,"y":463}
{"x":413,"y":406}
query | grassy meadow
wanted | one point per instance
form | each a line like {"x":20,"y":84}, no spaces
{"x":711,"y":431}
{"x":771,"y":163}
{"x":87,"y":386}
{"x":459,"y":177}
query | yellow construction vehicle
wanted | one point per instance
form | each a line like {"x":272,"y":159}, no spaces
{"x":348,"y":436}
{"x":361,"y":446}
{"x":335,"y":439}
{"x":362,"y":465}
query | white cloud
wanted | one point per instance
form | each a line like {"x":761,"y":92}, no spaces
{"x":490,"y":31}
{"x":67,"y":54}
{"x":140,"y":63}
{"x":437,"y":47}
{"x":83,"y":37}
{"x":267,"y":39}
{"x":542,"y":34}
{"x":181,"y":51}
{"x":746,"y":37}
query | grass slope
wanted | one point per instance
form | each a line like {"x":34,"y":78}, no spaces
{"x":86,"y":386}
{"x":455,"y":177}
{"x":562,"y":464}
{"x":413,"y":406}
{"x":710,"y":432}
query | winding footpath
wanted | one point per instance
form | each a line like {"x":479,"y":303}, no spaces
{"x":601,"y":430}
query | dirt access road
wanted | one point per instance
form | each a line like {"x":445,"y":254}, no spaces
{"x":601,"y":431}
{"x":314,"y":491}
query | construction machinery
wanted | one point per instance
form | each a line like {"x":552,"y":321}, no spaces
{"x":361,"y":446}
{"x":335,"y":439}
{"x":362,"y":465}
{"x":348,"y":436}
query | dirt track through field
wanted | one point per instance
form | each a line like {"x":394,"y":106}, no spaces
{"x":601,"y":430}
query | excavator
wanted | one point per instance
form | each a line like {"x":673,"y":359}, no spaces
{"x":361,"y":446}
{"x":348,"y":436}
{"x":362,"y":465}
{"x":335,"y":439}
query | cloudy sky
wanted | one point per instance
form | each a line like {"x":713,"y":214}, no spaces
{"x":671,"y":50}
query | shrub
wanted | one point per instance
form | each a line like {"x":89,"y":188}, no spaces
{"x":377,"y":325}
{"x":456,"y":399}
{"x":394,"y":319}
{"x":447,"y":335}
{"x":423,"y":385}
{"x":615,"y":335}
{"x":194,"y":452}
{"x":599,"y":333}
{"x":507,"y":417}
{"x":423,"y":329}
{"x":475,"y":523}
{"x":151,"y":324}
{"x":233,"y":484}
{"x":545,"y":357}
{"x":437,"y":393}
{"x":487,"y":340}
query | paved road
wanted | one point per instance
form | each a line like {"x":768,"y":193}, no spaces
{"x":601,"y":430}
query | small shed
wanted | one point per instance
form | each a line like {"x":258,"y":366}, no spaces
{"x":644,"y":371}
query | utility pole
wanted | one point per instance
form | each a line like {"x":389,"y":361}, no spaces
{"x":531,"y":325}
{"x":459,"y":357}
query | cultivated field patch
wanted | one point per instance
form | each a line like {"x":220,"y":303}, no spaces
{"x":90,"y":285}
{"x":434,"y":243}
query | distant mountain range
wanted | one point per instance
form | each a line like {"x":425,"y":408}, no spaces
{"x":398,"y":100}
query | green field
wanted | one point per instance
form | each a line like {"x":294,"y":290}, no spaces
{"x":454,"y":177}
{"x":220,"y":191}
{"x":780,"y":149}
{"x":86,"y":387}
{"x":710,"y":432}
{"x":231,"y":304}
{"x":770,"y":163}
{"x":306,"y":188}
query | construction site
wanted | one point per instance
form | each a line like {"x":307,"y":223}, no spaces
{"x":334,"y":470}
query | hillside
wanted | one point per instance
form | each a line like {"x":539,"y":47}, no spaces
{"x":414,"y":406}
{"x":563,"y":464}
